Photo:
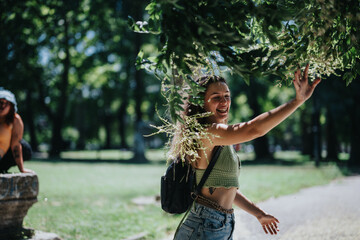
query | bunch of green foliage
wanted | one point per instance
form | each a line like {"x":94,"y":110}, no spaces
{"x":324,"y":33}
{"x":249,"y":38}
{"x":254,"y":37}
{"x":185,"y":137}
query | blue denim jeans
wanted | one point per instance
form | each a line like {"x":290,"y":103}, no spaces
{"x":206,"y":223}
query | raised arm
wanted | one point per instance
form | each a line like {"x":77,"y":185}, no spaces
{"x":260,"y":125}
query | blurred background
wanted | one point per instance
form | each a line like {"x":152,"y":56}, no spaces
{"x":71,"y":65}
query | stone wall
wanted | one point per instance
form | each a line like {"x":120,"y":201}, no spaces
{"x":18,"y":192}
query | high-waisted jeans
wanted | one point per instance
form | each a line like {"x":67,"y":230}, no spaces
{"x":204,"y":223}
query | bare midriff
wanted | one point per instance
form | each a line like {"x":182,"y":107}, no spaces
{"x":223,"y":196}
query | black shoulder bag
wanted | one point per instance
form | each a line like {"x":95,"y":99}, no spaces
{"x":178,"y":185}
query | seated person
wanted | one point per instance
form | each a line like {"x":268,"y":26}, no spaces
{"x":13,"y":149}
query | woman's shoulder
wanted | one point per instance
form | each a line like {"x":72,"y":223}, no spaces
{"x":17,"y":118}
{"x":18,"y":121}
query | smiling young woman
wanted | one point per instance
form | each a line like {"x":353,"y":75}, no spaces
{"x":212,"y":216}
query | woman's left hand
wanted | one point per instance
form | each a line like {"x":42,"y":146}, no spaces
{"x":303,"y":88}
{"x":269,"y":223}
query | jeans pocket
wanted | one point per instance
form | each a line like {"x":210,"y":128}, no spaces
{"x":185,"y":232}
{"x":213,"y":225}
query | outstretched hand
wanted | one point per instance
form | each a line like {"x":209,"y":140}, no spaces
{"x":303,"y":88}
{"x":269,"y":223}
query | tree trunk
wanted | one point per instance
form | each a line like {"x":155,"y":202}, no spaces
{"x":81,"y":124}
{"x":108,"y":130}
{"x":261,"y":145}
{"x":57,"y":143}
{"x":139,"y":145}
{"x":139,"y":142}
{"x":30,"y":121}
{"x":306,"y":139}
{"x":354,"y":160}
{"x":134,"y":8}
{"x":316,"y":130}
{"x":332,"y":145}
{"x":123,"y":124}
{"x":122,"y":114}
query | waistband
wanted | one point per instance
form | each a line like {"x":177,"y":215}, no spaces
{"x":214,"y":205}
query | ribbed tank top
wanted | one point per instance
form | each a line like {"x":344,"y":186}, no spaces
{"x":226,"y":170}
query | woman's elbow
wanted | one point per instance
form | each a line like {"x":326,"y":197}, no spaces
{"x":257,"y":133}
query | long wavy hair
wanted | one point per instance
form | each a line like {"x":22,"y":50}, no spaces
{"x":191,"y":109}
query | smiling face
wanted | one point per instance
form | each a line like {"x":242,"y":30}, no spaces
{"x":218,"y":101}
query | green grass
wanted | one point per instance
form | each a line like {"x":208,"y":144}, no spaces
{"x":93,"y":201}
{"x":153,"y":155}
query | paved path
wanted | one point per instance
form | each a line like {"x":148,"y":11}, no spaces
{"x":329,"y":212}
{"x":317,"y":213}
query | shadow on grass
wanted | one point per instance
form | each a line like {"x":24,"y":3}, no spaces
{"x":347,"y":170}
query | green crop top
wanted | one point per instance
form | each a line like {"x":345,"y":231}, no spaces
{"x":226,"y":170}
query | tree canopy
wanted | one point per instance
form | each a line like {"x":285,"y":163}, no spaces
{"x":256,"y":37}
{"x":71,"y":65}
{"x":252,"y":38}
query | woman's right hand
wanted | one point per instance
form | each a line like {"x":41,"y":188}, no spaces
{"x":303,"y":88}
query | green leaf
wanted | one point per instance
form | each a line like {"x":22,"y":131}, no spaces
{"x":348,"y":77}
{"x":179,"y":108}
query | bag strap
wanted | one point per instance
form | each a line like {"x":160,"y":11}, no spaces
{"x":209,"y":168}
{"x":201,"y":184}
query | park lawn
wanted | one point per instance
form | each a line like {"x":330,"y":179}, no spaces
{"x":93,"y":201}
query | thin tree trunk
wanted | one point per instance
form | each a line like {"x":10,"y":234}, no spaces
{"x":122,"y":114}
{"x":331,"y":137}
{"x":123,"y":124}
{"x":107,"y":123}
{"x":316,"y":130}
{"x":81,"y":124}
{"x":139,"y":142}
{"x":306,"y":139}
{"x":134,"y":8}
{"x":30,"y":121}
{"x":261,"y":145}
{"x":57,"y":143}
{"x":354,"y":160}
